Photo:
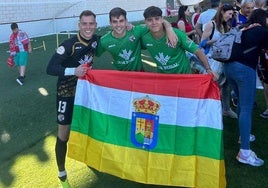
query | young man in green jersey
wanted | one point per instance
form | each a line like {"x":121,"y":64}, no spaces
{"x":170,"y":60}
{"x":124,"y":45}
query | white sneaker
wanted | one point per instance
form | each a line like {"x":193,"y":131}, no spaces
{"x":230,"y":113}
{"x":252,"y":138}
{"x":251,"y":159}
{"x":264,"y":114}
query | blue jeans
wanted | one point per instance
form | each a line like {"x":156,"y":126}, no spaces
{"x":243,"y":81}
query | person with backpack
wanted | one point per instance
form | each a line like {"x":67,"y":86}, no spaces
{"x":241,"y":74}
{"x":213,"y":30}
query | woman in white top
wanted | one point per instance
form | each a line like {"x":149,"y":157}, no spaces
{"x":213,"y":29}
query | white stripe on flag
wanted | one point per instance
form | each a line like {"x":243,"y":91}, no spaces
{"x":173,"y":110}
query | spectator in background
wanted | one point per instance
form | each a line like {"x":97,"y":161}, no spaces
{"x":206,"y":16}
{"x":196,"y":14}
{"x":213,"y":30}
{"x":237,"y":5}
{"x":261,"y":4}
{"x":241,"y":18}
{"x":19,"y":47}
{"x":183,"y":23}
{"x":262,"y":68}
{"x":194,"y":18}
{"x":241,"y":74}
{"x":168,"y":8}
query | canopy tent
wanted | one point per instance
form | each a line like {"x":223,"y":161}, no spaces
{"x":187,"y":2}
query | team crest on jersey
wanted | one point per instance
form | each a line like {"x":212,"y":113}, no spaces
{"x":126,"y":54}
{"x":61,"y":117}
{"x":94,"y":44}
{"x":132,"y":38}
{"x":161,"y":58}
{"x":60,"y":50}
{"x":144,"y":126}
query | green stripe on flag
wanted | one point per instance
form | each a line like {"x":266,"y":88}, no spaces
{"x":113,"y":130}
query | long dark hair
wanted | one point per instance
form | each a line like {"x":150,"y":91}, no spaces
{"x":181,"y":13}
{"x":218,"y":18}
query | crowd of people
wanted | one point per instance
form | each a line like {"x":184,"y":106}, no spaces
{"x":251,"y":17}
{"x":75,"y":56}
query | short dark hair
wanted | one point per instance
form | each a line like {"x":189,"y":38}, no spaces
{"x":152,"y":11}
{"x":14,"y":26}
{"x":116,"y":12}
{"x":215,"y":3}
{"x":87,"y":13}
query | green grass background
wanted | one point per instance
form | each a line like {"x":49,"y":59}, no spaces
{"x":28,"y":131}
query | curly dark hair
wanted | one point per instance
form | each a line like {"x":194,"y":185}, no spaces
{"x":258,"y":16}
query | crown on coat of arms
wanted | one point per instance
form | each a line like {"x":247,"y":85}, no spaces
{"x":146,"y":105}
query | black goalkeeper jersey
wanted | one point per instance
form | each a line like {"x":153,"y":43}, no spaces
{"x":70,"y":54}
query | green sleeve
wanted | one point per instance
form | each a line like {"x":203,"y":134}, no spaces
{"x":100,"y":49}
{"x":185,"y":42}
{"x":141,"y":30}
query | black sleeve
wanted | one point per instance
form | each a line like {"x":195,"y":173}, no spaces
{"x":56,"y":66}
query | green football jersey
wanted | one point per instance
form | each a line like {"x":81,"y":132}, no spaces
{"x":126,"y":51}
{"x":170,"y":60}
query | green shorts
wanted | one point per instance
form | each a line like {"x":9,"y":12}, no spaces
{"x":21,"y":58}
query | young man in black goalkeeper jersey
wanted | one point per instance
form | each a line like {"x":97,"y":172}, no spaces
{"x":71,"y":60}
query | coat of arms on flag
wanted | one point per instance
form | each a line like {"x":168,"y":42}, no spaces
{"x":144,"y":126}
{"x":150,"y":128}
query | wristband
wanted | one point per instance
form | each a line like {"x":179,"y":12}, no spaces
{"x":69,"y":71}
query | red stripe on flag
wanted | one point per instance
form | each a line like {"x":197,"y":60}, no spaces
{"x":178,"y":85}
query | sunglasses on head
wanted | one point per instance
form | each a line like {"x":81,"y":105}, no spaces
{"x":227,"y":7}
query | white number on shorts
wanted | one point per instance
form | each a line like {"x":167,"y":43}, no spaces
{"x":62,"y":106}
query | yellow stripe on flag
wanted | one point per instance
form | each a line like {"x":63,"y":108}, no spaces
{"x":147,"y":167}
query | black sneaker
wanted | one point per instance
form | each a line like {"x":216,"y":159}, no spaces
{"x":20,"y":80}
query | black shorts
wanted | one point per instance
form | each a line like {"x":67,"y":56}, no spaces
{"x":65,"y":107}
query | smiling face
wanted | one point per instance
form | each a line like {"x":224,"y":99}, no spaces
{"x":187,"y":12}
{"x":155,"y":24}
{"x":87,"y":26}
{"x":247,"y":9}
{"x":227,"y":15}
{"x":118,"y":25}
